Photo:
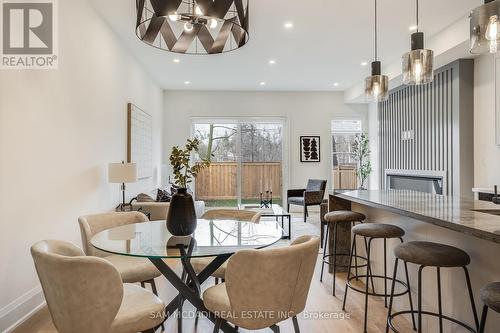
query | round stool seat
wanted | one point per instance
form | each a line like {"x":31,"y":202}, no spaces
{"x":378,"y":230}
{"x":432,"y":254}
{"x":490,"y":296}
{"x":343,"y":216}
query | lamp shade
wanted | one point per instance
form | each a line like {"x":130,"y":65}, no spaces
{"x":418,"y":67}
{"x":122,"y":173}
{"x":485,"y":28}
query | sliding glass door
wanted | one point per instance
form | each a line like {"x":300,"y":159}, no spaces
{"x":247,"y":161}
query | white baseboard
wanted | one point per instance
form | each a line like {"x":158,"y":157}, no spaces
{"x":16,"y":312}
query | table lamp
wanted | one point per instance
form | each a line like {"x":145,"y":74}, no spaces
{"x":122,"y":173}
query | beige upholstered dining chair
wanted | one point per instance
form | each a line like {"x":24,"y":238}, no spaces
{"x":258,"y":298}
{"x":132,"y":269}
{"x":86,"y":294}
{"x":223,"y":214}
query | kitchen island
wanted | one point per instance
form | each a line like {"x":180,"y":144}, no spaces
{"x":473,"y":226}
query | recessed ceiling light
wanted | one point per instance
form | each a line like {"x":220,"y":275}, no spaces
{"x":412,"y":27}
{"x":272,"y":62}
{"x":288,"y":25}
{"x":364,"y":63}
{"x":176,"y":60}
{"x":336,"y":84}
{"x":262,"y":83}
{"x":187,"y":82}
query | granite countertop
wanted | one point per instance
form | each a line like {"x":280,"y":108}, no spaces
{"x":476,"y":218}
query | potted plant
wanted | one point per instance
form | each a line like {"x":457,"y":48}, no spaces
{"x":181,"y":217}
{"x":361,"y":152}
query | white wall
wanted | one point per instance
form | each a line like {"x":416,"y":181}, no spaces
{"x":307,"y":113}
{"x":486,"y":152}
{"x":58,"y":131}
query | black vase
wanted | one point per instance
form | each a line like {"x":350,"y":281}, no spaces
{"x":181,"y":217}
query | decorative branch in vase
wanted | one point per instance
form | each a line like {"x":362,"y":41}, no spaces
{"x":181,"y":217}
{"x":361,"y":153}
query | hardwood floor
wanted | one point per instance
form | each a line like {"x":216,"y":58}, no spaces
{"x":323,"y":313}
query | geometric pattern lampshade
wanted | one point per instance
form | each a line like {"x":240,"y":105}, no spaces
{"x":193,"y":26}
{"x":485,"y":28}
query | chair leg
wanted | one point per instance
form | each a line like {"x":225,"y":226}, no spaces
{"x":218,"y":323}
{"x":367,"y":285}
{"x":440,"y":306}
{"x":385,"y":272}
{"x":325,"y":246}
{"x":143,"y":285}
{"x":410,"y":297}
{"x":348,"y":272}
{"x":483,"y":319}
{"x":216,"y":280}
{"x":305,"y":213}
{"x":275,"y":328}
{"x":471,"y":296}
{"x":419,"y":306}
{"x":295,"y":324}
{"x":391,"y":298}
{"x":322,"y":236}
{"x":334,"y":256}
{"x":288,"y":208}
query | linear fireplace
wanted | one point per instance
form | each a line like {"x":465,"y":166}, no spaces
{"x":421,"y":181}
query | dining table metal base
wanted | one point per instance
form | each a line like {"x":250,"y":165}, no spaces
{"x":188,"y":285}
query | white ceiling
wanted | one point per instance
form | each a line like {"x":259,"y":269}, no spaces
{"x":329,"y":40}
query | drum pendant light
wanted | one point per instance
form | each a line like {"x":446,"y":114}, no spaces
{"x":485,"y":28}
{"x":376,"y":85}
{"x":419,"y":62}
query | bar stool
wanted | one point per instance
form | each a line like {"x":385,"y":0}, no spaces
{"x":370,"y":232}
{"x":490,"y":296}
{"x":427,"y":254}
{"x":333,"y":219}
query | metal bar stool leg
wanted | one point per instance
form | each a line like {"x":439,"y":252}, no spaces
{"x":334,"y":255}
{"x":420,"y":299}
{"x":409,"y":296}
{"x":348,"y":272}
{"x":471,"y":296}
{"x":483,"y":319}
{"x":385,"y":272}
{"x":367,"y":284}
{"x":324,"y":252}
{"x":355,"y":256}
{"x":368,"y":268}
{"x":440,"y":306}
{"x":393,"y":286}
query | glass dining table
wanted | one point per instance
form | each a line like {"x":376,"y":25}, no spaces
{"x":217,"y":239}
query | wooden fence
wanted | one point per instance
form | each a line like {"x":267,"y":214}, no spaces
{"x":344,"y":177}
{"x":219,"y":181}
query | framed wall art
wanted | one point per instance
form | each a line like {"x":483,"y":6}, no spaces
{"x":310,"y":149}
{"x":140,"y":140}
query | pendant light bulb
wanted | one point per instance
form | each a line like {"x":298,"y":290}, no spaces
{"x":174,"y":17}
{"x":213,"y":23}
{"x":492,"y":29}
{"x":376,"y":89}
{"x":485,"y":28}
{"x":188,"y":26}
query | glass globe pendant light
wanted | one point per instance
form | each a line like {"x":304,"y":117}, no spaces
{"x":376,"y":85}
{"x":485,"y":28}
{"x":418,"y":64}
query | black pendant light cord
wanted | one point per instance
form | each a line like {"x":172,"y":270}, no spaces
{"x":417,"y":14}
{"x":376,"y":53}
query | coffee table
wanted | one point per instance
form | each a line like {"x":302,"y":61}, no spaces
{"x":275,"y":211}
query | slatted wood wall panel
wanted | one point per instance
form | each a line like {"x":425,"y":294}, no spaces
{"x":427,"y":111}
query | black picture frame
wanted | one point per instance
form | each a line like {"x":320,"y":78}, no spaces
{"x":310,"y":148}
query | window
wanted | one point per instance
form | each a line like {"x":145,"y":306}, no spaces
{"x":343,"y":163}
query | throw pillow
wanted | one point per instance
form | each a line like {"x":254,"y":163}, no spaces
{"x":162,"y":196}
